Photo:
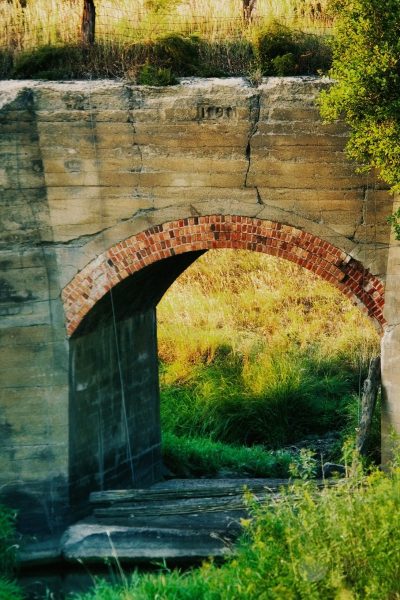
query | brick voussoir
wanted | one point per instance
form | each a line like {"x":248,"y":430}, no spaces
{"x":217,"y":231}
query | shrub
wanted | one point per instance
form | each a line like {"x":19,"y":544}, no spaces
{"x":367,"y":90}
{"x":49,"y":62}
{"x":282,"y":51}
{"x":177,"y":52}
{"x":9,"y":590}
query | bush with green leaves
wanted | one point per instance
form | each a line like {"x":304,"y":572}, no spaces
{"x":49,"y":62}
{"x":282,"y":51}
{"x":7,"y":540}
{"x":366,"y":93}
{"x":177,"y":52}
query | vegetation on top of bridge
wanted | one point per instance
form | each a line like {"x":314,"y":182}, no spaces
{"x":366,"y":67}
{"x":153,"y":41}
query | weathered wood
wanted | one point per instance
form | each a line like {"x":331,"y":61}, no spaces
{"x":88,"y":25}
{"x":368,"y":402}
{"x":248,"y":10}
{"x":195,"y":488}
{"x":177,"y":507}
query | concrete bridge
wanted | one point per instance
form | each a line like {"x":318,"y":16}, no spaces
{"x":108,"y":192}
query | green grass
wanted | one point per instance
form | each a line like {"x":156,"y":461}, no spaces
{"x":193,"y":457}
{"x":339,"y":544}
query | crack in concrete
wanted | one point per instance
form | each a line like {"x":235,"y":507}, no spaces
{"x":255,"y":108}
{"x":259,"y":199}
{"x":79,"y":241}
{"x":131,"y":121}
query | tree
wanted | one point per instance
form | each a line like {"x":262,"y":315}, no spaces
{"x":366,"y":93}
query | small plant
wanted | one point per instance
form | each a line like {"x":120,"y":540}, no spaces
{"x":9,"y":590}
{"x":273,"y":42}
{"x":282,"y":51}
{"x":394,"y":221}
{"x":156,"y":76}
{"x":304,"y":466}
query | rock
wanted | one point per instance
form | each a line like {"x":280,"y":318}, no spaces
{"x":332,"y":469}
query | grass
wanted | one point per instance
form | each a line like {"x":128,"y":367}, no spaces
{"x":342,"y":543}
{"x":191,"y":456}
{"x":42,"y":39}
{"x":257,"y":351}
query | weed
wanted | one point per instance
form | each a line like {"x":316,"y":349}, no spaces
{"x":156,"y":76}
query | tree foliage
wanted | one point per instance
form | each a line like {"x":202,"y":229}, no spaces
{"x":366,"y":68}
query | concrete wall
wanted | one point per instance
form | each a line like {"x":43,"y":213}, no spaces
{"x":87,"y":165}
{"x":114,"y":407}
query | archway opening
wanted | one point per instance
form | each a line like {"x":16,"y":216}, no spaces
{"x":111,"y":317}
{"x":260,"y":360}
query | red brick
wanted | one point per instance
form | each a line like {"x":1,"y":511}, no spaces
{"x":216,"y":231}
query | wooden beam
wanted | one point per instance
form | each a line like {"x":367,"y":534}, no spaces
{"x":88,"y":26}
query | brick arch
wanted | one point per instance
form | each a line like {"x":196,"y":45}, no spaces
{"x":216,"y":231}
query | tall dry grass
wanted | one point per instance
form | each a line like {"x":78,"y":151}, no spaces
{"x":51,"y":22}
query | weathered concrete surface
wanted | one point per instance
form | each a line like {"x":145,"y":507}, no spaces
{"x":87,"y":165}
{"x":391,"y":350}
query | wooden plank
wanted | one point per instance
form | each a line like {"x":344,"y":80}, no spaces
{"x":196,"y":489}
{"x":178,"y":507}
{"x":368,"y":402}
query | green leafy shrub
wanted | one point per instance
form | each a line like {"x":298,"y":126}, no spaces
{"x":272,"y":42}
{"x":156,"y":76}
{"x":366,"y":68}
{"x":9,"y":590}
